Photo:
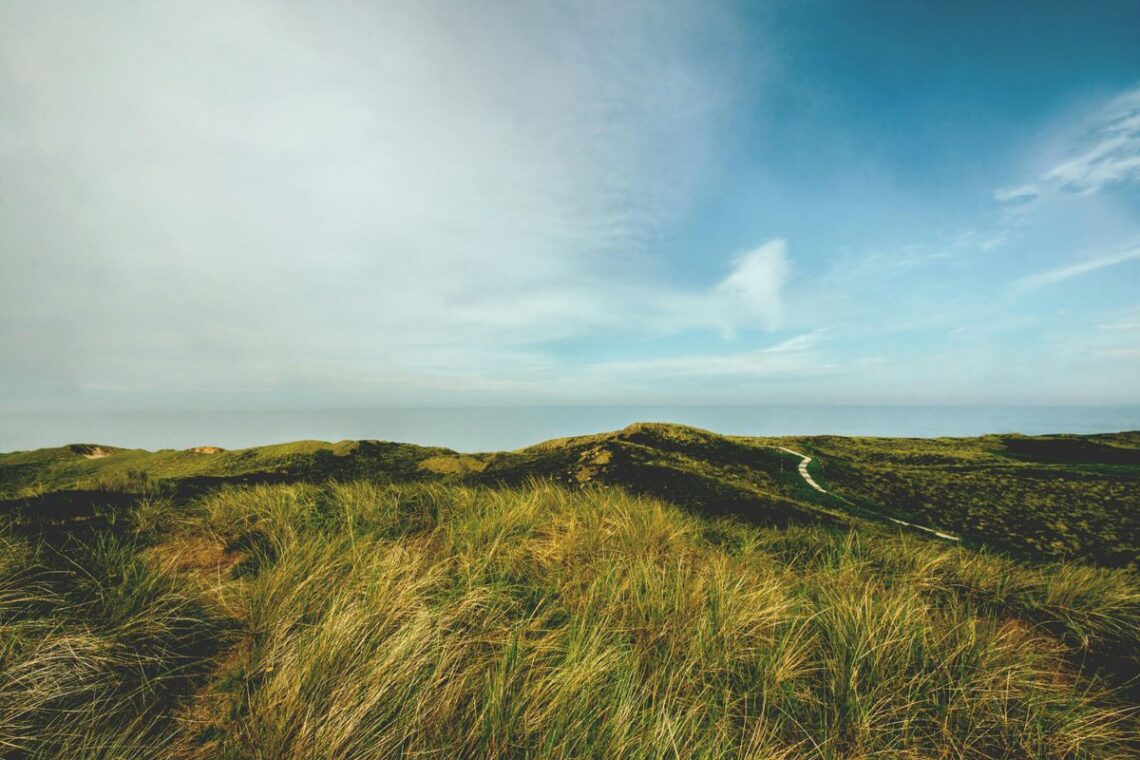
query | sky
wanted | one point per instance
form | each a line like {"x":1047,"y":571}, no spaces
{"x":255,"y":204}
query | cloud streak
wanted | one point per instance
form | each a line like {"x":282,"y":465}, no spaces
{"x":1107,"y":153}
{"x":796,"y":356}
{"x":1060,"y":274}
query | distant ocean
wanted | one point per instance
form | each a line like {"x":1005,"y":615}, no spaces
{"x":495,"y":428}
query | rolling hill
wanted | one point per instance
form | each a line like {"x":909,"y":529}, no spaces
{"x":1044,"y":497}
{"x":654,"y":592}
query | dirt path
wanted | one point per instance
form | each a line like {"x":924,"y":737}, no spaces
{"x":803,"y":468}
{"x":804,"y":459}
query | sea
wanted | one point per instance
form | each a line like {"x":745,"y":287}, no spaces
{"x":496,"y":428}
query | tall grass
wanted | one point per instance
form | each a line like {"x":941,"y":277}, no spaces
{"x":443,"y":621}
{"x":95,"y":648}
{"x":450,"y":622}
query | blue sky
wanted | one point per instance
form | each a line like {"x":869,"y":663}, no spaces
{"x":265,"y":204}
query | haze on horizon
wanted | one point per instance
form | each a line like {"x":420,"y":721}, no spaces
{"x":271,"y":204}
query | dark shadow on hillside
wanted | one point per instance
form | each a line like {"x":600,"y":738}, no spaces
{"x":696,"y":470}
{"x":1070,"y":450}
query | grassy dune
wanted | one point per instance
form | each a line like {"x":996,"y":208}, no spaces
{"x":1036,"y":498}
{"x":436,"y":619}
{"x":1043,"y":497}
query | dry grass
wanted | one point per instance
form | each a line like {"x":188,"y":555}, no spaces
{"x":444,"y":621}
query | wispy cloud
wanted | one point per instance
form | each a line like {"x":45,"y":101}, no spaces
{"x":749,"y":297}
{"x":1021,"y":193}
{"x":1060,"y":274}
{"x":1132,"y":325}
{"x":754,"y":287}
{"x":396,"y":187}
{"x":796,"y":355}
{"x":1107,"y":153}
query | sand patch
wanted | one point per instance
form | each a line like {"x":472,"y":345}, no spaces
{"x":90,"y":451}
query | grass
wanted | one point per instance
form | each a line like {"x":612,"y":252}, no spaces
{"x":96,"y":648}
{"x":437,"y":619}
{"x":1046,"y":497}
{"x":654,"y":592}
{"x":1039,"y":498}
{"x":25,"y":474}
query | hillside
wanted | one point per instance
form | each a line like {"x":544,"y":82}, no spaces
{"x":654,"y":592}
{"x":1044,"y":497}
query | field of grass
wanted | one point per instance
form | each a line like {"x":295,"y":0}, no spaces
{"x":90,"y":467}
{"x":1040,"y":498}
{"x":1046,"y":497}
{"x":365,"y":620}
{"x":659,"y":592}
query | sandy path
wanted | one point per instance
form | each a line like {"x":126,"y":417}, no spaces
{"x":803,"y":468}
{"x":804,"y":459}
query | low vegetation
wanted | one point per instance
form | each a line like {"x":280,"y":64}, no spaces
{"x":1039,"y":498}
{"x":1049,"y":497}
{"x":364,"y":620}
{"x":654,"y":593}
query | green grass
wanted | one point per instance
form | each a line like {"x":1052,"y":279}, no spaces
{"x":97,"y":648}
{"x":32,"y":473}
{"x":1041,"y":498}
{"x":655,"y":592}
{"x":1049,"y":497}
{"x":367,"y":620}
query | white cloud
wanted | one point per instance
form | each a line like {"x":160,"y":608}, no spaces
{"x":1021,"y":193}
{"x":754,"y":287}
{"x":1060,"y":274}
{"x":790,"y":357}
{"x":1107,"y":153}
{"x":252,"y":191}
{"x":749,"y":297}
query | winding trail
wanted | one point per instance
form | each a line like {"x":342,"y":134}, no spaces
{"x":804,"y":459}
{"x":803,"y":469}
